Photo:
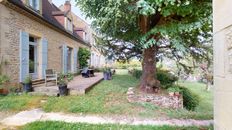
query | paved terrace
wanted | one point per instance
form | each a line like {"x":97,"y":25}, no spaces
{"x":79,"y":85}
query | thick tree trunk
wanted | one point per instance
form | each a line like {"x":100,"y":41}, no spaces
{"x":148,"y":81}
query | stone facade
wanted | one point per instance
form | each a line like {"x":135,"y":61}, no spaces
{"x":11,"y":23}
{"x":222,"y":64}
{"x":165,"y":101}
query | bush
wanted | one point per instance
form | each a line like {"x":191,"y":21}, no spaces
{"x":136,"y":73}
{"x":190,"y":99}
{"x":165,"y":77}
{"x":83,"y":55}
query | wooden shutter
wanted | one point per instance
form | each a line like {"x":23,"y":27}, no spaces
{"x":65,"y":55}
{"x":24,"y":56}
{"x":44,"y":47}
{"x":74,"y":60}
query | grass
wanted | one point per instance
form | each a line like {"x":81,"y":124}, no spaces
{"x":16,"y":103}
{"x":48,"y":125}
{"x":109,"y":98}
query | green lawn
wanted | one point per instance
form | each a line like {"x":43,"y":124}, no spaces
{"x":68,"y":126}
{"x":109,"y":98}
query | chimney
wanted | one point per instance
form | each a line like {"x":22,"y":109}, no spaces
{"x":67,"y":6}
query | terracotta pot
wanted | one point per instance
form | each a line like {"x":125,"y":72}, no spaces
{"x":171,"y":94}
{"x":4,"y":91}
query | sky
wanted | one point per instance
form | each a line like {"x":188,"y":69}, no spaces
{"x":75,"y":9}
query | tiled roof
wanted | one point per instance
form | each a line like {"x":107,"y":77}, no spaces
{"x":48,"y":10}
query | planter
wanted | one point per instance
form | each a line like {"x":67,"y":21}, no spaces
{"x":63,"y":90}
{"x":4,"y":92}
{"x":27,"y":87}
{"x":171,"y":94}
{"x":107,"y":75}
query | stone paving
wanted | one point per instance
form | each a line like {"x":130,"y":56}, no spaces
{"x":81,"y":85}
{"x":25,"y":117}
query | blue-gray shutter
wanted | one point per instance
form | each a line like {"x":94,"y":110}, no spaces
{"x":65,"y":55}
{"x":44,"y":47}
{"x":74,"y":60}
{"x":24,"y":56}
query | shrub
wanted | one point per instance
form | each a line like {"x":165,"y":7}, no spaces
{"x":165,"y":77}
{"x":83,"y":55}
{"x":4,"y":79}
{"x":190,"y":99}
{"x":174,"y":89}
{"x":136,"y":73}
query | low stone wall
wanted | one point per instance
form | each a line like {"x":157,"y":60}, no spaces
{"x":166,"y":101}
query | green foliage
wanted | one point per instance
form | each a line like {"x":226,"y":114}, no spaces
{"x":4,"y":79}
{"x":63,"y":79}
{"x":136,"y":73}
{"x":183,"y":28}
{"x":190,"y":99}
{"x":55,"y":125}
{"x":27,"y":80}
{"x":83,"y":55}
{"x":164,"y":76}
{"x":174,"y":89}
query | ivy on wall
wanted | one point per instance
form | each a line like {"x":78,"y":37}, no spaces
{"x":83,"y":57}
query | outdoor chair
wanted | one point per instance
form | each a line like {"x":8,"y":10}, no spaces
{"x":50,"y":75}
{"x":85,"y":72}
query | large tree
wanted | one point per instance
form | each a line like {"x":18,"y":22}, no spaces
{"x":151,"y":29}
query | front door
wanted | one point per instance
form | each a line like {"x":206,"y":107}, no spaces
{"x":33,"y":61}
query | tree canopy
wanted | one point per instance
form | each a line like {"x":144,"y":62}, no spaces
{"x":183,"y":27}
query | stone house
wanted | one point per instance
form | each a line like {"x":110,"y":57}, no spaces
{"x":85,"y":31}
{"x":35,"y":35}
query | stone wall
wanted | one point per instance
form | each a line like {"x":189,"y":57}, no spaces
{"x":11,"y":23}
{"x":222,"y":64}
{"x":165,"y":101}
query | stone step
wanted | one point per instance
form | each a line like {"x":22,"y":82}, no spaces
{"x":43,"y":93}
{"x":53,"y":89}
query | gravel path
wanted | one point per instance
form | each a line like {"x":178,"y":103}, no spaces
{"x":25,"y":117}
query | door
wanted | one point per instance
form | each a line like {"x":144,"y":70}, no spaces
{"x":33,"y":58}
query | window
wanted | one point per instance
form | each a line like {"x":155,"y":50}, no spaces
{"x":35,"y":4}
{"x":69,"y":25}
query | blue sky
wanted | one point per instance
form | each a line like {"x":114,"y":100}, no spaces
{"x":75,"y":9}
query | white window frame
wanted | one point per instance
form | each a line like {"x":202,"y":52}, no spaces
{"x":35,"y":4}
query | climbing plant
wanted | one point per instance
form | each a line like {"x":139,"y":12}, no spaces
{"x":83,"y":57}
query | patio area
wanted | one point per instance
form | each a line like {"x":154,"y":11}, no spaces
{"x":78,"y":86}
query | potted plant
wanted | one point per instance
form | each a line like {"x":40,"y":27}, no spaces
{"x":63,"y":83}
{"x":27,"y":84}
{"x":107,"y":73}
{"x":4,"y":81}
{"x":171,"y":91}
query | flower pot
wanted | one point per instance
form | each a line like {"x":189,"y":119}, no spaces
{"x":63,"y":90}
{"x":171,"y":94}
{"x":107,"y":75}
{"x":4,"y":92}
{"x":27,"y":87}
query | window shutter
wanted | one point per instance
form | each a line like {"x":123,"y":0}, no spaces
{"x":74,"y":60}
{"x":44,"y":47}
{"x":24,"y":56}
{"x":65,"y":55}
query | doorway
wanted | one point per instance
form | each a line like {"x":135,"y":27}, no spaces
{"x":33,"y":60}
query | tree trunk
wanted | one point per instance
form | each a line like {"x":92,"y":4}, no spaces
{"x":148,"y":82}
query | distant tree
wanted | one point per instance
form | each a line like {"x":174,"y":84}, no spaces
{"x":150,"y":29}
